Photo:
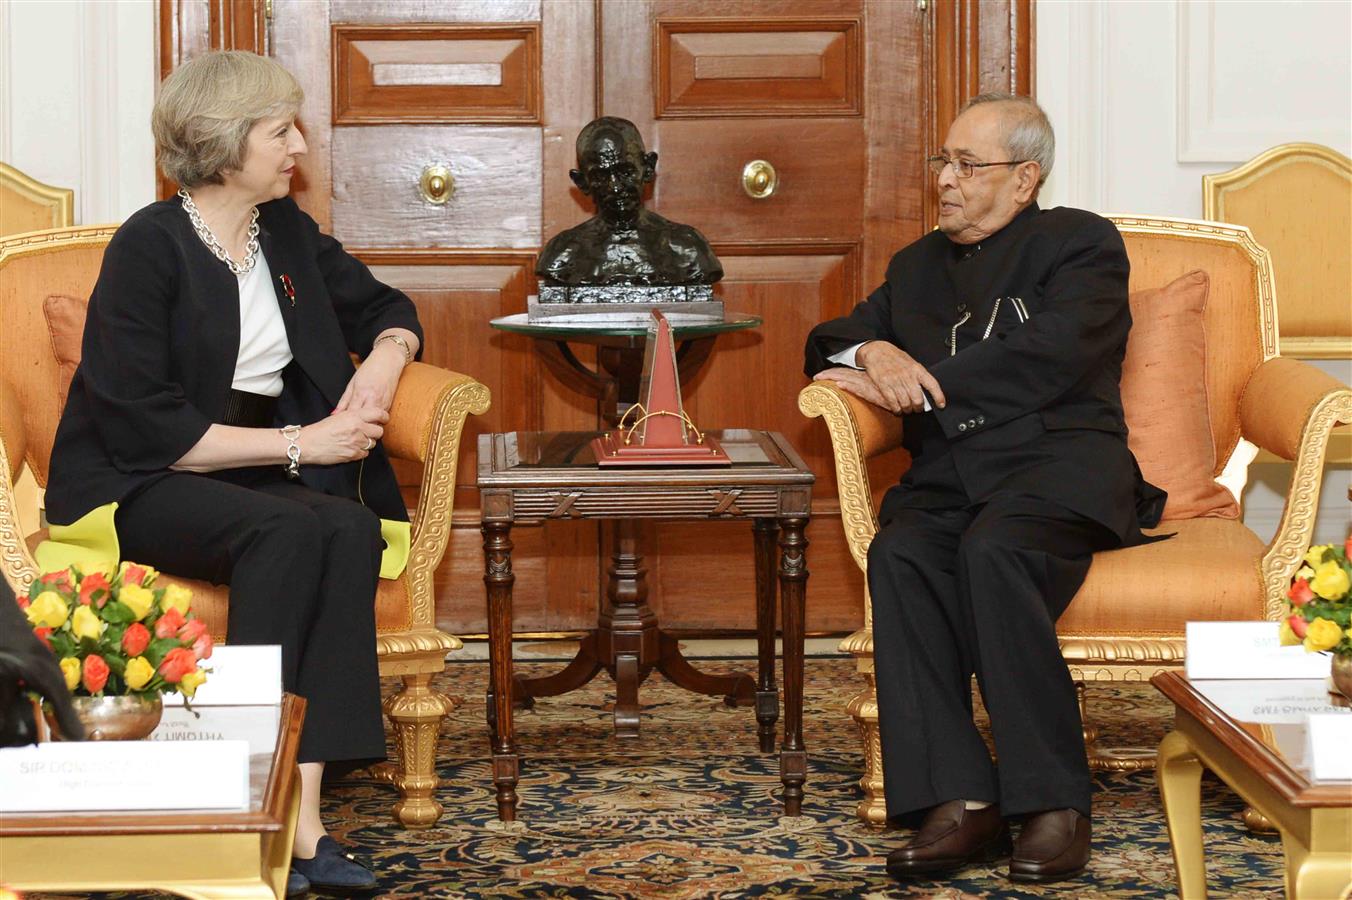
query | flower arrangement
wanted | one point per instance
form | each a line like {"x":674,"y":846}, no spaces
{"x":121,"y":635}
{"x":1321,"y":602}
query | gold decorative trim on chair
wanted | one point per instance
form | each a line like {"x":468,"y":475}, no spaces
{"x":32,"y":205}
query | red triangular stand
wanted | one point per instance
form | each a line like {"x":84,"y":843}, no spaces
{"x":657,"y":432}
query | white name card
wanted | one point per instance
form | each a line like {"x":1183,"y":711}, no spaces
{"x":102,"y":776}
{"x":255,"y":725}
{"x":1247,"y":650}
{"x":1284,"y":701}
{"x":240,"y":675}
{"x":1328,"y":737}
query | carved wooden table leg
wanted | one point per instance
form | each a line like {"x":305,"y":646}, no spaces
{"x":627,"y":637}
{"x":580,"y":670}
{"x":766,"y":531}
{"x":792,"y":594}
{"x":498,"y":579}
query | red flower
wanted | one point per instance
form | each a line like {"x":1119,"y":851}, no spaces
{"x":22,"y":600}
{"x":1298,"y":625}
{"x":135,"y":639}
{"x":42,"y":634}
{"x":1300,"y":592}
{"x":133,"y":574}
{"x":59,"y":580}
{"x":192,"y":630}
{"x":95,"y":673}
{"x":92,"y":584}
{"x":1347,"y":547}
{"x":177,"y":663}
{"x":201,"y":648}
{"x":169,"y":623}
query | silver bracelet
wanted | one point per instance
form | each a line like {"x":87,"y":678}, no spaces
{"x":292,"y":435}
{"x":403,"y":345}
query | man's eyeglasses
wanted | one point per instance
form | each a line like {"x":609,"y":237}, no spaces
{"x":962,"y":168}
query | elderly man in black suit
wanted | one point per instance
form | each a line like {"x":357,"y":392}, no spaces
{"x":1000,"y":338}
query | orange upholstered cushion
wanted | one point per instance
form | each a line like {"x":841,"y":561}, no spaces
{"x":65,"y":326}
{"x":1164,"y":396}
{"x":1207,"y":572}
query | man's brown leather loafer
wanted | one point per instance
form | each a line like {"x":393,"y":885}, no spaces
{"x":951,"y":837}
{"x":1052,"y":846}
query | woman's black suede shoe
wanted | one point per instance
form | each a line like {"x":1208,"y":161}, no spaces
{"x":334,"y":869}
{"x":297,"y":885}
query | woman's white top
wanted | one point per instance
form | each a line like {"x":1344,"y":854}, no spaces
{"x":263,"y":348}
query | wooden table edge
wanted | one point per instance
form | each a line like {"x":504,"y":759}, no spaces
{"x":271,"y":818}
{"x":1293,"y":787}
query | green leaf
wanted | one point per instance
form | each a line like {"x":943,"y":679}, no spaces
{"x":116,"y":664}
{"x":118,"y":612}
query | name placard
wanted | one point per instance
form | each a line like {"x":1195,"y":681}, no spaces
{"x":255,"y":725}
{"x":240,"y":675}
{"x":1328,"y":735}
{"x":104,"y":776}
{"x":1247,"y":650}
{"x":1284,"y":701}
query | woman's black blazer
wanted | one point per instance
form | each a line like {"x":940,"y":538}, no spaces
{"x":160,"y":343}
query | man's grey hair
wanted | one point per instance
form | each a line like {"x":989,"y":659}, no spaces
{"x":1028,"y":131}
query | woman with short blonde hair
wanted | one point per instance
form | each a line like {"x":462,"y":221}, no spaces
{"x":217,"y":412}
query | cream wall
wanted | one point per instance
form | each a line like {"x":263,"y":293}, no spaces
{"x":77,"y":80}
{"x":1148,"y":96}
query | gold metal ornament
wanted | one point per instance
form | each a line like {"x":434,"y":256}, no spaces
{"x":759,"y":179}
{"x":436,"y":184}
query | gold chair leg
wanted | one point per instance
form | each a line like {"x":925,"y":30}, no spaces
{"x":1116,"y":759}
{"x":416,"y":712}
{"x":863,"y":708}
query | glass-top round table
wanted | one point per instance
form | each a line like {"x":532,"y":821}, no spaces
{"x":619,"y":350}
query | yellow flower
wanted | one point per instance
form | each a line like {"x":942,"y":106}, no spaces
{"x":86,"y":623}
{"x":1315,"y":555}
{"x":176,"y":596}
{"x":138,"y":673}
{"x":1285,"y":636}
{"x":70,"y":668}
{"x":135,"y":573}
{"x":188,"y":684}
{"x":137,"y":598}
{"x":1330,"y":580}
{"x":49,"y":610}
{"x":1305,"y":572}
{"x":1322,"y":635}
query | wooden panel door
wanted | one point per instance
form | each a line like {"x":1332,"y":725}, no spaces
{"x":843,"y":97}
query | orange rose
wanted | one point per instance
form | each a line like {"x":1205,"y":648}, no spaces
{"x":135,"y":639}
{"x":95,"y":673}
{"x":169,"y":623}
{"x":94,"y":588}
{"x":177,"y":663}
{"x":43,"y":634}
{"x":1300,"y":592}
{"x":1298,"y":625}
{"x":59,"y":580}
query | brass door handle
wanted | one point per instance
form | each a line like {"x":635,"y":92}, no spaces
{"x":759,"y":179}
{"x":436,"y":184}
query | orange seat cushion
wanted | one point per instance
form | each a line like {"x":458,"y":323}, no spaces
{"x":210,"y":601}
{"x":1207,"y":572}
{"x":1164,"y":397}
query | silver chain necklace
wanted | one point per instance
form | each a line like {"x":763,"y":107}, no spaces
{"x":203,"y":232}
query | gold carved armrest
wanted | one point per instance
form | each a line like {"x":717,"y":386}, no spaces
{"x":1290,"y":409}
{"x":17,"y":563}
{"x":426,"y":421}
{"x":858,"y":430}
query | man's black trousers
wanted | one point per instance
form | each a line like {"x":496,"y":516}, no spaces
{"x":977,"y":590}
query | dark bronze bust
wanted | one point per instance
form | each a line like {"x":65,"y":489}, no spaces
{"x":623,"y":244}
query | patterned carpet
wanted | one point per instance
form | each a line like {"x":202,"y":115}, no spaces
{"x":690,"y":810}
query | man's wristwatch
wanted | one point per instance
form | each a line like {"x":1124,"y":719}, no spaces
{"x":403,"y":345}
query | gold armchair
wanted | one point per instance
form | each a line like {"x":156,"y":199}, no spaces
{"x":1284,"y":406}
{"x":425,"y":425}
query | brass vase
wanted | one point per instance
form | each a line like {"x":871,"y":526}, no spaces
{"x":128,"y":718}
{"x":1341,"y":674}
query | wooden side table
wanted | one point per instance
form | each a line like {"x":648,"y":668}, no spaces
{"x":1262,"y":761}
{"x":537,"y":476}
{"x":207,"y":854}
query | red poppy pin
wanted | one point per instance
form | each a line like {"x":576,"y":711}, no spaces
{"x":289,"y":289}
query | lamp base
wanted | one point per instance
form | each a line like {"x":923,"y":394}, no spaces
{"x":611,"y":450}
